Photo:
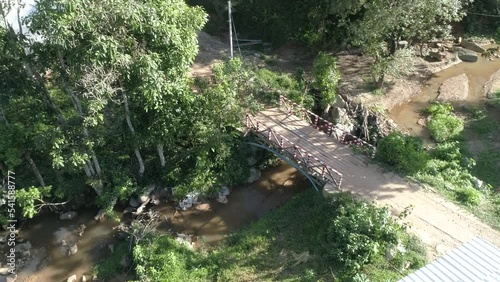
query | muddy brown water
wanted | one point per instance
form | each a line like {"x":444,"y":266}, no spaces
{"x":209,"y":222}
{"x":478,"y":73}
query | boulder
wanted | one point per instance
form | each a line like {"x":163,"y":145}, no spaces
{"x":467,"y":44}
{"x":4,"y":271}
{"x":402,"y":44}
{"x":437,"y":55}
{"x":20,"y":248}
{"x":72,"y":278}
{"x":467,"y":55}
{"x":254,"y":175}
{"x":68,"y":215}
{"x":224,"y":191}
{"x":222,"y":199}
{"x":134,"y":202}
{"x":343,"y":121}
{"x":494,"y":88}
{"x":72,"y":250}
{"x":454,"y":89}
{"x":251,"y":161}
{"x":100,"y":215}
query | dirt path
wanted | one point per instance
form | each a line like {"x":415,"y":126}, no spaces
{"x":440,"y":224}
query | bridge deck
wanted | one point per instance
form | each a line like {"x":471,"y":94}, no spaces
{"x":435,"y":220}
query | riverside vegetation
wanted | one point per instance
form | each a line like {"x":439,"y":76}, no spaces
{"x":116,"y":112}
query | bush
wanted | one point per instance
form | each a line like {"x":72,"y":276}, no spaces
{"x":327,"y":76}
{"x":444,"y":124}
{"x":469,"y":196}
{"x":444,"y":127}
{"x":405,"y":153}
{"x":164,"y":260}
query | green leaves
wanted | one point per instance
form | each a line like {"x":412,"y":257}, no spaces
{"x":327,"y":77}
{"x":403,"y":152}
{"x":444,"y":124}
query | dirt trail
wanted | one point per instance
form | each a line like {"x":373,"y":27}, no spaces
{"x":440,"y":224}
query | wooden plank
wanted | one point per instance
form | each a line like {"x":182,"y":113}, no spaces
{"x":322,"y":146}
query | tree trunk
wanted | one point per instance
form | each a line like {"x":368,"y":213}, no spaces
{"x":87,"y":170}
{"x":35,"y":169}
{"x":380,"y":81}
{"x":161,"y":154}
{"x":78,"y":106}
{"x":132,"y":130}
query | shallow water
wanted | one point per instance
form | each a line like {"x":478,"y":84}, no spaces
{"x":478,"y":73}
{"x":209,"y":223}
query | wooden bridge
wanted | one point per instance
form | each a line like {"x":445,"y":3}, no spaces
{"x":315,"y":144}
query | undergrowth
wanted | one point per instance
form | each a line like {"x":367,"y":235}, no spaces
{"x":309,"y":239}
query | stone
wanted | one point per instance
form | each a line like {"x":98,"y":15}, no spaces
{"x":111,"y":247}
{"x":187,"y":203}
{"x":224,"y":191}
{"x":467,"y":55}
{"x":478,"y":184}
{"x":251,"y":161}
{"x":4,"y":271}
{"x":494,"y":88}
{"x":72,"y":278}
{"x":454,"y":89}
{"x":155,"y":199}
{"x":254,"y":175}
{"x":100,"y":215}
{"x":403,"y":43}
{"x":437,"y":55}
{"x":422,"y":121}
{"x":472,"y":46}
{"x":68,"y":215}
{"x":23,"y":247}
{"x":391,"y":252}
{"x":134,"y":202}
{"x":203,"y":207}
{"x":72,"y":250}
{"x":344,"y":122}
{"x":222,"y":199}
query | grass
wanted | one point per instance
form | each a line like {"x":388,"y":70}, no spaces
{"x":309,"y":239}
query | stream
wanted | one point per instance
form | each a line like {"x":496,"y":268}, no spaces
{"x":478,"y":73}
{"x":209,"y":222}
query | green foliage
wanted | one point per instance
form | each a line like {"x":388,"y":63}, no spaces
{"x":439,"y":108}
{"x":488,"y":166}
{"x":112,"y":265}
{"x":359,"y":233}
{"x":29,"y":198}
{"x":404,"y":153}
{"x":327,"y":76}
{"x":469,"y":196}
{"x":444,"y":124}
{"x":339,"y":236}
{"x":163,"y":259}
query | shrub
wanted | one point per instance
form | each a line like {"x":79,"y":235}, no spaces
{"x":444,"y":127}
{"x":327,"y":76}
{"x":163,"y":259}
{"x":439,"y":108}
{"x":405,"y":153}
{"x":444,"y":124}
{"x":469,"y":196}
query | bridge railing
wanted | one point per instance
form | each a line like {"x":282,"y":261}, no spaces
{"x":301,"y":156}
{"x":327,"y":127}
